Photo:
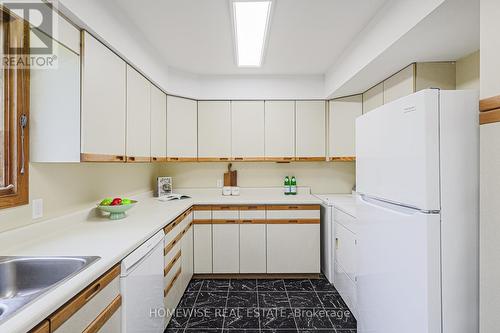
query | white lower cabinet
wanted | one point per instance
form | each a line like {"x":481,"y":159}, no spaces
{"x":346,"y":288}
{"x":293,"y":248}
{"x":187,"y":257}
{"x":252,"y":248}
{"x":226,"y":248}
{"x":202,"y":238}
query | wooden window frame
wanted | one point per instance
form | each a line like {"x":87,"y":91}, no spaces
{"x":16,"y":104}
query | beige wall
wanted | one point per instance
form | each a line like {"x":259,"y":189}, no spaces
{"x":66,"y":188}
{"x":468,"y":72}
{"x":490,"y":173}
{"x":322,"y":177}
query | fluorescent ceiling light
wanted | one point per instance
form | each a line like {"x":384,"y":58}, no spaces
{"x":251,"y":21}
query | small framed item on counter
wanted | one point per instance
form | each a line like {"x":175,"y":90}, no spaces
{"x":164,"y":186}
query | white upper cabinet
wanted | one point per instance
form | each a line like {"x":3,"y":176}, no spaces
{"x":310,"y":124}
{"x":247,"y":130}
{"x":103,"y":102}
{"x":158,"y":124}
{"x":138,"y":117}
{"x":182,"y":131}
{"x":214,"y":130}
{"x":280,"y":130}
{"x":342,"y":125}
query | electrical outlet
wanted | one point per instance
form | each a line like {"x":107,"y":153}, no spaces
{"x":219,"y":183}
{"x":37,"y":208}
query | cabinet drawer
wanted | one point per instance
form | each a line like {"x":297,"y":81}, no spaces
{"x":79,"y":312}
{"x":109,"y":320}
{"x":172,"y":247}
{"x":202,"y":215}
{"x":225,"y":215}
{"x":252,"y":215}
{"x":293,"y":214}
{"x":346,"y":220}
{"x":172,"y":282}
{"x":172,"y":267}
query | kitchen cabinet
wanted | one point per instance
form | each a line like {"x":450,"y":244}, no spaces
{"x":182,"y":129}
{"x":293,"y":248}
{"x":138,"y":117}
{"x":187,"y":252}
{"x":158,"y":124}
{"x":214,"y":130}
{"x":247,"y":130}
{"x":310,"y":130}
{"x":373,"y":98}
{"x":95,"y":309}
{"x":400,"y":84}
{"x":202,"y":238}
{"x":280,"y":130}
{"x":55,"y":110}
{"x":253,"y":239}
{"x":226,"y":246}
{"x":103,"y":115}
{"x":342,"y":126}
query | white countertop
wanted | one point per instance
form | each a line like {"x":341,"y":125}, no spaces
{"x":87,"y":233}
{"x":343,"y":202}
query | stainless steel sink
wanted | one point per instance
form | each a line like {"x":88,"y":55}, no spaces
{"x":24,"y":279}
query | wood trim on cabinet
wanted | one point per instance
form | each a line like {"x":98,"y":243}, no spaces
{"x":155,"y":159}
{"x":182,"y":159}
{"x":343,"y":159}
{"x":488,"y":104}
{"x":104,"y":316}
{"x":248,"y":159}
{"x":43,"y":327}
{"x":86,"y":157}
{"x":171,"y":284}
{"x":214,"y":159}
{"x":293,"y":207}
{"x":225,"y":207}
{"x":253,"y":221}
{"x":293,"y":221}
{"x":76,"y":303}
{"x":252,"y":207}
{"x":171,"y":264}
{"x":489,"y":117}
{"x":138,"y":159}
{"x":280,"y":159}
{"x":224,"y":221}
{"x":310,"y":159}
{"x":202,"y":207}
{"x":202,"y":221}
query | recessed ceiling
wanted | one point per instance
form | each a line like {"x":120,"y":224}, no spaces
{"x":305,"y":37}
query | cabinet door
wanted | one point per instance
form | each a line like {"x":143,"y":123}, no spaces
{"x":214,"y":130}
{"x":55,"y":110}
{"x":280,"y":130}
{"x":202,"y":239}
{"x":252,"y":248}
{"x":103,"y":102}
{"x":182,"y":131}
{"x":293,"y":248}
{"x":400,"y":84}
{"x":187,"y":258}
{"x":158,"y":124}
{"x":345,"y":250}
{"x":310,"y":130}
{"x":373,"y":98}
{"x":247,"y":130}
{"x":342,"y":126}
{"x":226,"y":254}
{"x":138,"y":117}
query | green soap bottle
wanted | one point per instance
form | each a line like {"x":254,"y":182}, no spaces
{"x":293,"y":186}
{"x":287,"y":185}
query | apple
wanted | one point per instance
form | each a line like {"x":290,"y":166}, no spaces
{"x":116,"y":202}
{"x":106,"y":202}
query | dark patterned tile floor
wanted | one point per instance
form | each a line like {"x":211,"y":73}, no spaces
{"x":261,"y":306}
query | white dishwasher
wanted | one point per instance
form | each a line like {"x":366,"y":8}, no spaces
{"x":141,"y":284}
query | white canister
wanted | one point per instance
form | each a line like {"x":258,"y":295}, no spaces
{"x":226,"y":190}
{"x":235,"y":190}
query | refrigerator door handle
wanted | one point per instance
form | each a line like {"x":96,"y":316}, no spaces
{"x":394,"y":206}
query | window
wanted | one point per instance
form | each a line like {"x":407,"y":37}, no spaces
{"x":14,"y":110}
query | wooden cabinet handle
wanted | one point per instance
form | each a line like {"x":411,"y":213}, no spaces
{"x":293,"y":221}
{"x":132,"y":158}
{"x":246,"y":221}
{"x":238,"y":158}
{"x":293,"y":207}
{"x":174,"y":158}
{"x":223,"y":159}
{"x":120,"y":158}
{"x":155,"y":159}
{"x":231,"y":221}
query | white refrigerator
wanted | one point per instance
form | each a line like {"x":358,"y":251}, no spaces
{"x":417,"y":173}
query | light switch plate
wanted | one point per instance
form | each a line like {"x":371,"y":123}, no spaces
{"x":37,"y":208}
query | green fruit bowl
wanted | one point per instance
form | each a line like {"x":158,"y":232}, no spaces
{"x":117,"y":212}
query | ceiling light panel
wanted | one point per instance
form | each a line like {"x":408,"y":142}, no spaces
{"x":251,"y":23}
